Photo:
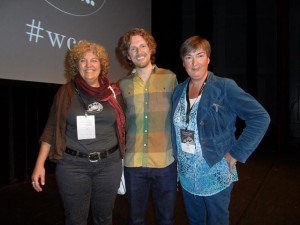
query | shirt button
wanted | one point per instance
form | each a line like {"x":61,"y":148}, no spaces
{"x":202,"y":123}
{"x":146,"y":131}
{"x":145,"y":145}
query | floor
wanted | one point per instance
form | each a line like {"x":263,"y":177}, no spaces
{"x":267,"y":193}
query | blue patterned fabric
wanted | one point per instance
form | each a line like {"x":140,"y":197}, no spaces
{"x":195,"y":174}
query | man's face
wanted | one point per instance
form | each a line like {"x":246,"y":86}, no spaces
{"x":139,"y":52}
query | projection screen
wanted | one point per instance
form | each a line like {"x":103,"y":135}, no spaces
{"x":36,"y":34}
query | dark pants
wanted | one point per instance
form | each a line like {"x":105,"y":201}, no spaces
{"x":161,"y":182}
{"x":208,"y":210}
{"x":83,"y":184}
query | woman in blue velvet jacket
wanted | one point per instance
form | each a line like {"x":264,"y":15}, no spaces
{"x":204,"y":113}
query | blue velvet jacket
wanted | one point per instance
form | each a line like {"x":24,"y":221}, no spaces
{"x":221,"y":103}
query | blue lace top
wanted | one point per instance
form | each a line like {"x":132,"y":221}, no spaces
{"x":195,"y":175}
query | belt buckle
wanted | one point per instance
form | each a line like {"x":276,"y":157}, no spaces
{"x":94,"y":157}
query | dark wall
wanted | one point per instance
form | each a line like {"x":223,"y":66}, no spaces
{"x":167,"y":30}
{"x":24,"y":111}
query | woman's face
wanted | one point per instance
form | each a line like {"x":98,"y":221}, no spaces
{"x":89,"y":68}
{"x":196,"y":64}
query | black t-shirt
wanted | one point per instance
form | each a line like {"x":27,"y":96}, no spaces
{"x":105,"y":125}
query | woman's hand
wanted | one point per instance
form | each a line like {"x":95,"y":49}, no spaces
{"x":38,"y":177}
{"x":231,"y":161}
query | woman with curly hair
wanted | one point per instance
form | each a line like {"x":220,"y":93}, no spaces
{"x":84,"y":135}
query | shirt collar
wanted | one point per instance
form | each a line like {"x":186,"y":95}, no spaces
{"x":154,"y":67}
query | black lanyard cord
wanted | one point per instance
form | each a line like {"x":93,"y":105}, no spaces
{"x":80,"y":97}
{"x":189,"y":107}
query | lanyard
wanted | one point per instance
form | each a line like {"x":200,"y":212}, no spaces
{"x":80,"y":97}
{"x":189,"y":107}
{"x":84,"y":105}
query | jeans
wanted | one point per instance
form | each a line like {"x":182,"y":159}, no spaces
{"x":83,"y":184}
{"x":208,"y":210}
{"x":161,"y":183}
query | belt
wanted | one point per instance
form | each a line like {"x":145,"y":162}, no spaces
{"x":94,"y":156}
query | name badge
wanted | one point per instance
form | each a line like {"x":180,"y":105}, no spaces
{"x":86,"y":127}
{"x":188,"y":141}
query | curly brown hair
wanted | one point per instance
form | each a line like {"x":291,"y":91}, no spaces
{"x":124,"y":43}
{"x":77,"y":51}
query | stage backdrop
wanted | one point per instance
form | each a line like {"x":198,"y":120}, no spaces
{"x":36,"y":34}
